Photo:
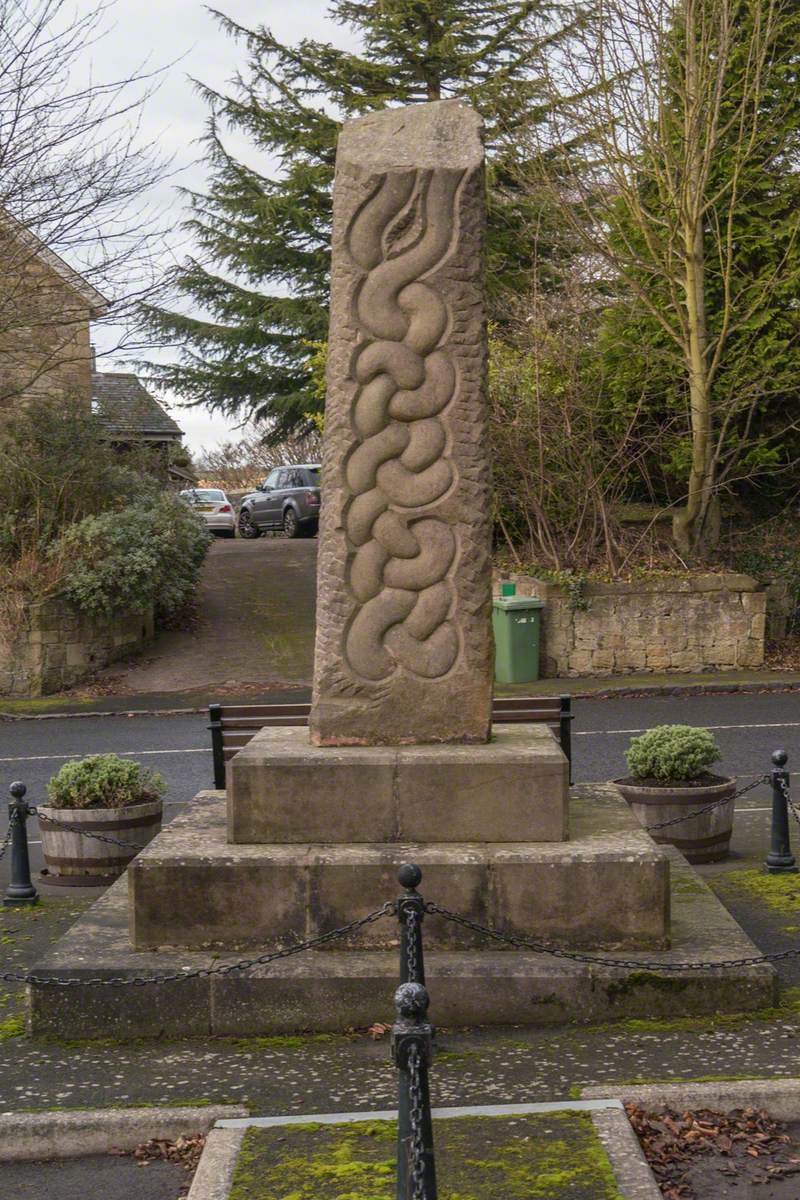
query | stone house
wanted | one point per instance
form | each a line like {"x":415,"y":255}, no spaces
{"x":46,"y":310}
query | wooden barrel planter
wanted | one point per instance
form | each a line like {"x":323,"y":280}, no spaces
{"x":702,"y":839}
{"x":75,"y":860}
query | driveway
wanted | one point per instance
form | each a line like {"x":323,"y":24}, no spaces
{"x":255,"y":624}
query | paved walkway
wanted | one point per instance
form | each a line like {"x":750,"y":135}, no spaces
{"x":255,"y":624}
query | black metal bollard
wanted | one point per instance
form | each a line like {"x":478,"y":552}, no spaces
{"x":20,"y":889}
{"x":412,"y":1053}
{"x":780,"y":860}
{"x":410,"y":912}
{"x":217,"y":746}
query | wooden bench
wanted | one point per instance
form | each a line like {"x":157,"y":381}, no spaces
{"x":233,"y":725}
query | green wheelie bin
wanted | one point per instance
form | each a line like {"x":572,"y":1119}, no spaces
{"x":516,"y":621}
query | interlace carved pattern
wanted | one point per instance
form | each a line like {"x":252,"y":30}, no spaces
{"x":402,"y":553}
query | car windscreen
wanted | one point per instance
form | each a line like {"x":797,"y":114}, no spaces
{"x":204,"y":494}
{"x":313,"y":476}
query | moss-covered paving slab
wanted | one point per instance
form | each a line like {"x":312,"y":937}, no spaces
{"x":542,"y":1156}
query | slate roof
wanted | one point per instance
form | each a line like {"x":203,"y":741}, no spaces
{"x":123,"y":405}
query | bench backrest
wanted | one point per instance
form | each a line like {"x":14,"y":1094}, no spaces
{"x":233,"y":725}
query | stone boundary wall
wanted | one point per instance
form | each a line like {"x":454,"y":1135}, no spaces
{"x":57,"y":646}
{"x":709,"y":622}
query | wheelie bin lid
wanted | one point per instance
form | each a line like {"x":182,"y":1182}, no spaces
{"x":520,"y":602}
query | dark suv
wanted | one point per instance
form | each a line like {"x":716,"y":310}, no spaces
{"x":288,"y":499}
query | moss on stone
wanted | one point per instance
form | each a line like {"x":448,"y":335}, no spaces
{"x":787,"y":1008}
{"x":644,"y":1081}
{"x":620,"y":988}
{"x":684,"y":885}
{"x":778,"y":892}
{"x":12,"y":1026}
{"x":553,"y":1156}
{"x":277,"y":1042}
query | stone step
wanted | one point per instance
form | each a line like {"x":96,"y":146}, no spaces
{"x":340,"y":990}
{"x":512,"y":789}
{"x":607,"y":886}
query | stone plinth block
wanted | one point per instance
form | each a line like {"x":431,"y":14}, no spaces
{"x":404,"y":650}
{"x":511,"y":789}
{"x":352,"y":988}
{"x":191,"y":888}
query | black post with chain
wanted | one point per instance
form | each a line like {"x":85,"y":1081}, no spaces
{"x":412,"y":1048}
{"x":20,"y":888}
{"x":410,"y":913}
{"x":412,"y":1053}
{"x":780,"y":860}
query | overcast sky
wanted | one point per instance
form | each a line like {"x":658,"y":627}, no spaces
{"x":184,"y":32}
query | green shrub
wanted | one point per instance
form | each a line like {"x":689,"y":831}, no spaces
{"x":149,"y":552}
{"x":104,"y":781}
{"x":672,"y":753}
{"x":57,"y":467}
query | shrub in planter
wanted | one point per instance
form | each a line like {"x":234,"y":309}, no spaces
{"x":102,"y":794}
{"x":672,"y":753}
{"x":669,"y":778}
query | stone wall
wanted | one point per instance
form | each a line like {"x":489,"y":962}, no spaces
{"x":56,"y":647}
{"x":709,"y":622}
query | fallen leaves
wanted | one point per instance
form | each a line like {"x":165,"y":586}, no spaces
{"x":183,"y":1150}
{"x":745,"y":1144}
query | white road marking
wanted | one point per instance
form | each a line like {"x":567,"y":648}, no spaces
{"x":769,"y":725}
{"x":121,"y":753}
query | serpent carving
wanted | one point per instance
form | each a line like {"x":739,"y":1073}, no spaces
{"x":401,"y":552}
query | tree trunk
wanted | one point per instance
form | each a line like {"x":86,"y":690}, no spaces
{"x":688,"y":524}
{"x":432,"y":78}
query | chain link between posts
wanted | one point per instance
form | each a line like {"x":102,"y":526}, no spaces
{"x":386,"y":910}
{"x":390,"y":908}
{"x":7,"y":839}
{"x":783,"y":784}
{"x":698,"y":812}
{"x":87,"y":833}
{"x":538,"y":946}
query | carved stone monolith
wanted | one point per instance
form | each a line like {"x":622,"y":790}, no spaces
{"x":404,"y":650}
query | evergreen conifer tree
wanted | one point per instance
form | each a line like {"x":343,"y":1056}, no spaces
{"x":261,"y":275}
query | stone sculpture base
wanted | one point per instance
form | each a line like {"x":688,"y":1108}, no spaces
{"x":190,"y":888}
{"x":511,"y":789}
{"x":338,"y":990}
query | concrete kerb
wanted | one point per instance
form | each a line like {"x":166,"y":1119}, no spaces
{"x":576,"y":687}
{"x":780,"y":1097}
{"x":634,"y":1178}
{"x":30,"y":1137}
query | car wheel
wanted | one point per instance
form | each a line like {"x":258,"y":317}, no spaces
{"x":291,"y":525}
{"x":246,"y":527}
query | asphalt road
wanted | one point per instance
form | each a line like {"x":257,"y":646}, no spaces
{"x":748,"y":727}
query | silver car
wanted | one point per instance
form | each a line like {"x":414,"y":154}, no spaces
{"x":214,"y":507}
